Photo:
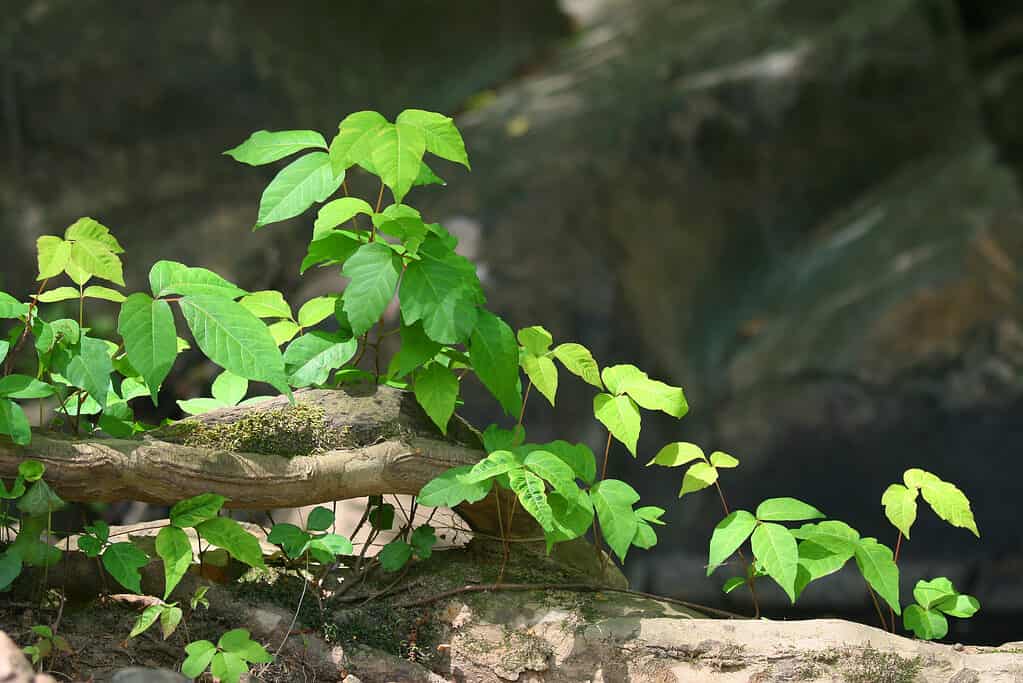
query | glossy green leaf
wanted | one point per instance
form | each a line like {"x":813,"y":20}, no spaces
{"x":439,"y":132}
{"x":925,"y":624}
{"x":264,"y":147}
{"x":353,"y":143}
{"x":699,"y":476}
{"x":416,"y":349}
{"x":339,"y":211}
{"x":543,"y":374}
{"x":58,"y":294}
{"x":532,"y":495}
{"x":311,"y":358}
{"x":495,"y":359}
{"x":729,"y":534}
{"x":571,"y":518}
{"x":91,"y":258}
{"x":330,"y":247}
{"x":732,"y":583}
{"x":333,"y":544}
{"x":90,"y":368}
{"x":648,"y":393}
{"x":167,"y":278}
{"x":91,"y":229}
{"x":197,"y":509}
{"x":621,"y":417}
{"x":723,"y":460}
{"x":786,"y":510}
{"x":554,"y":471}
{"x":316,"y":310}
{"x":11,"y":307}
{"x":235,"y":339}
{"x":374,"y":270}
{"x":395,"y":555}
{"x":53,"y":255}
{"x":302,"y":183}
{"x":291,"y":538}
{"x":879,"y":569}
{"x":837,"y":537}
{"x":436,"y":390}
{"x":150,"y":338}
{"x":900,"y":507}
{"x":677,"y":454}
{"x":174,"y":548}
{"x":578,"y":360}
{"x":962,"y":606}
{"x":229,"y":388}
{"x":451,"y":489}
{"x":283,"y":331}
{"x":397,"y":154}
{"x":201,"y":406}
{"x":816,"y":562}
{"x":123,"y":561}
{"x":146,"y":619}
{"x":774,"y":546}
{"x":578,"y":456}
{"x":226,"y":533}
{"x":200,"y":654}
{"x":930,"y":593}
{"x":442,"y":290}
{"x":23,"y":387}
{"x":948,"y":502}
{"x":31,"y":470}
{"x":613,"y":501}
{"x":536,"y":340}
{"x":267,"y":304}
{"x":494,"y":465}
{"x":104,"y":293}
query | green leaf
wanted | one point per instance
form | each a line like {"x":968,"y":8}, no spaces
{"x":201,"y":406}
{"x":947,"y":501}
{"x":169,"y":277}
{"x":104,"y":293}
{"x":235,"y":339}
{"x":579,"y":361}
{"x":338,"y":211}
{"x":174,"y":548}
{"x":200,"y":654}
{"x":900,"y":507}
{"x":90,"y":368}
{"x":146,"y":619}
{"x":442,"y":290}
{"x":532,"y":496}
{"x":302,"y":183}
{"x":833,"y":535}
{"x":239,"y":642}
{"x":10,"y":569}
{"x":722,"y":460}
{"x":169,"y":620}
{"x":925,"y":624}
{"x":58,"y":294}
{"x":879,"y":569}
{"x":930,"y":593}
{"x":267,"y":304}
{"x":381,"y":517}
{"x":311,"y":358}
{"x":436,"y":390}
{"x":648,"y":393}
{"x":699,"y":476}
{"x":962,"y":606}
{"x":264,"y":147}
{"x":577,"y":456}
{"x":53,"y":255}
{"x":543,"y":374}
{"x":226,"y":533}
{"x":621,"y":417}
{"x":571,"y":518}
{"x":229,"y":388}
{"x":316,"y":310}
{"x":197,"y":509}
{"x":31,"y":470}
{"x":291,"y":538}
{"x":613,"y":500}
{"x":320,"y":519}
{"x":497,"y":439}
{"x":495,"y":359}
{"x":441,"y":136}
{"x":395,"y":555}
{"x":494,"y":465}
{"x":732,"y":583}
{"x":774,"y":546}
{"x":652,"y":514}
{"x":23,"y":387}
{"x":397,"y":154}
{"x":123,"y":561}
{"x":815,"y":562}
{"x":416,"y":349}
{"x":283,"y":331}
{"x":730,"y":533}
{"x":333,"y":544}
{"x":451,"y":489}
{"x":11,"y":307}
{"x":645,"y":537}
{"x":618,"y":377}
{"x":92,"y":258}
{"x":423,"y":539}
{"x":555,"y":472}
{"x":89,"y":229}
{"x":536,"y":340}
{"x":374,"y":270}
{"x":354,"y":139}
{"x":150,"y":338}
{"x":426,"y":176}
{"x":677,"y":454}
{"x":40,"y":500}
{"x":786,"y":510}
{"x":333,"y":246}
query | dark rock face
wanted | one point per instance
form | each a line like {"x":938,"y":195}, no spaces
{"x":806,"y":213}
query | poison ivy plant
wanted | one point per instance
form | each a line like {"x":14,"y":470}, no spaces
{"x":314,"y":541}
{"x":936,"y":600}
{"x":228,"y":660}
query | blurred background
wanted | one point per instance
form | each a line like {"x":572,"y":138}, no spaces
{"x":808,"y":213}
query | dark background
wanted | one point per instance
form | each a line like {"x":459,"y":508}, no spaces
{"x":806,"y":212}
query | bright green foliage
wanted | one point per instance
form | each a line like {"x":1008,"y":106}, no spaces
{"x":676,"y":454}
{"x":374,"y":270}
{"x":264,"y":147}
{"x":621,"y":417}
{"x":935,"y":599}
{"x":494,"y":356}
{"x":169,"y":616}
{"x":395,"y":555}
{"x":878,"y":567}
{"x":228,"y":390}
{"x":235,"y":339}
{"x":397,"y":155}
{"x":578,"y":457}
{"x":543,"y":374}
{"x":536,"y":340}
{"x":579,"y":361}
{"x":439,"y":131}
{"x":316,"y":310}
{"x":494,"y":465}
{"x":311,"y":358}
{"x":900,"y":507}
{"x":416,"y":349}
{"x":451,"y":489}
{"x":613,"y":500}
{"x":13,"y":422}
{"x":354,"y":139}
{"x":168,"y":278}
{"x":723,"y":460}
{"x":90,"y":368}
{"x":532,"y":494}
{"x":786,"y":510}
{"x":339,"y":211}
{"x":728,"y":536}
{"x":442,"y":290}
{"x":774,"y":546}
{"x":699,"y":476}
{"x":226,"y":533}
{"x":150,"y":338}
{"x":321,"y":546}
{"x":299,"y":185}
{"x":123,"y":561}
{"x":267,"y":304}
{"x":648,"y":393}
{"x":174,"y":548}
{"x":228,"y":660}
{"x":436,"y":389}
